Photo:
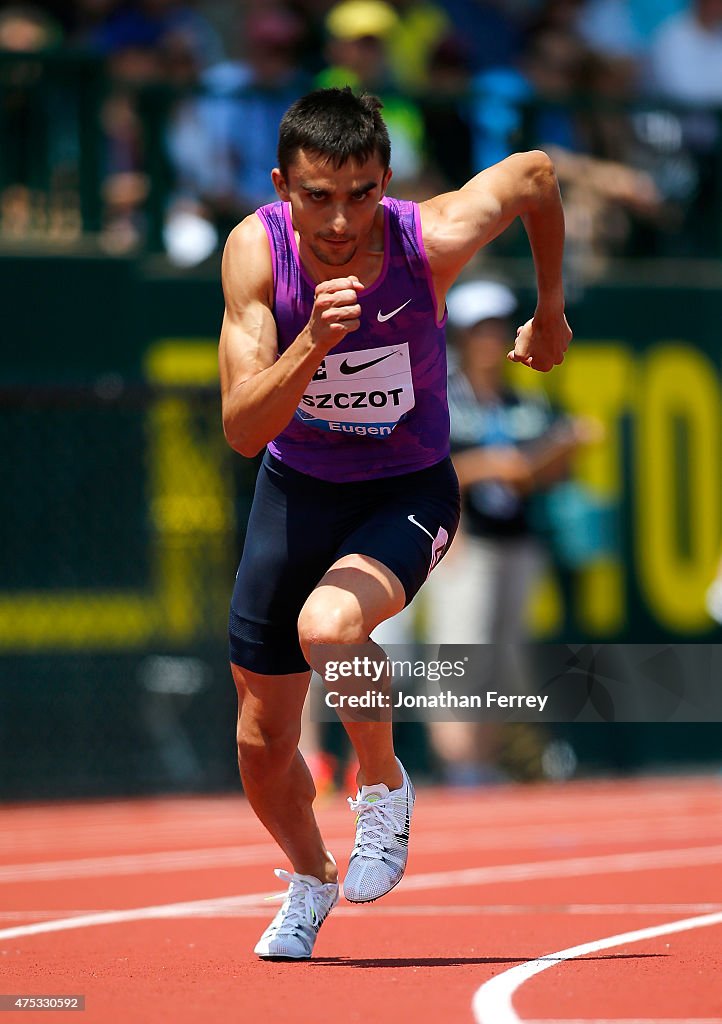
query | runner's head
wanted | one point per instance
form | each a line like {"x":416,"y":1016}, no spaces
{"x":337,"y":125}
{"x":333,"y":157}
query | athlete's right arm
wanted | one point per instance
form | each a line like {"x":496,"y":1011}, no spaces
{"x":260,"y":390}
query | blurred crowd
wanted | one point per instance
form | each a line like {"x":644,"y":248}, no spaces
{"x":620,"y":92}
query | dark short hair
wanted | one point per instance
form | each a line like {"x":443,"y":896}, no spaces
{"x":337,"y":124}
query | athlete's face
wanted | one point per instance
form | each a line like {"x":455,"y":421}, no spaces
{"x":333,"y":209}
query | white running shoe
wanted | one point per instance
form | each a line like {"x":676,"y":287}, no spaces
{"x":292,"y":933}
{"x":378,"y":859}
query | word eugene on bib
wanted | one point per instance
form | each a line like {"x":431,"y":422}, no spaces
{"x":366,"y":392}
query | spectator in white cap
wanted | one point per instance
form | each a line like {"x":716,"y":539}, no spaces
{"x":506,"y":445}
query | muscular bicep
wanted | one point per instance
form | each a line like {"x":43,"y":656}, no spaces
{"x":248,"y":342}
{"x":457,"y":224}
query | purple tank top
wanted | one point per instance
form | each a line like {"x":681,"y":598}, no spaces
{"x":377,"y":405}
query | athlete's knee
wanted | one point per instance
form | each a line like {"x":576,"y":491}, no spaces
{"x":324,"y":622}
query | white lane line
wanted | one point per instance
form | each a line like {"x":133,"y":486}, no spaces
{"x":541,"y":838}
{"x":504,"y":805}
{"x":165,"y":861}
{"x":431,"y":910}
{"x":559,"y":836}
{"x":224,"y":908}
{"x":163,"y":910}
{"x":138,"y":863}
{"x":78,"y":833}
{"x":492,"y":1002}
{"x":569,"y":867}
{"x":628,"y":1020}
{"x":573,"y":867}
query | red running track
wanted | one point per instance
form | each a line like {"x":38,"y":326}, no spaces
{"x":589,"y":902}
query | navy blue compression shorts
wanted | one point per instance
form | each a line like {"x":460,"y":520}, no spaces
{"x":299,"y":526}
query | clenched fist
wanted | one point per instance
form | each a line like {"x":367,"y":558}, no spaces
{"x":336,"y":311}
{"x":541,"y":342}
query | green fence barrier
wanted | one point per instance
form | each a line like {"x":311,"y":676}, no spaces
{"x":123,"y":514}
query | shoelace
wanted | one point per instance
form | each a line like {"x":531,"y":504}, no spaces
{"x":373,"y":820}
{"x":299,"y":905}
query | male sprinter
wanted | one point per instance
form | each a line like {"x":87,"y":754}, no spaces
{"x":332,"y":355}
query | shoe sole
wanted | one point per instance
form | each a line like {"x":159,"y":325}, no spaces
{"x":286,"y":959}
{"x":348,"y":900}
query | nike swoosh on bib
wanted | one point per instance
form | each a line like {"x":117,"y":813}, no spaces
{"x":383,"y":317}
{"x":345,"y":368}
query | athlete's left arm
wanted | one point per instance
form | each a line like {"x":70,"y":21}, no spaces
{"x":457,"y":224}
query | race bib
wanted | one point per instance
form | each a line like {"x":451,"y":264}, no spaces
{"x":365,"y":393}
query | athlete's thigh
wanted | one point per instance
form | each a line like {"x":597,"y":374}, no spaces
{"x":412,"y":528}
{"x":289,"y":545}
{"x":406,"y":526}
{"x":352,"y":598}
{"x":289,"y":542}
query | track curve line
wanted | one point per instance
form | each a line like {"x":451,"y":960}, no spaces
{"x":492,"y":1002}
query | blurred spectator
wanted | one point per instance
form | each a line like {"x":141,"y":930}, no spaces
{"x":548,"y":71}
{"x":420,"y":27}
{"x":540,"y":104}
{"x":358,"y":55}
{"x":240,"y":114}
{"x":28,"y":28}
{"x":73,"y":15}
{"x":221,"y":130}
{"x":491,"y":28}
{"x":623,"y":28}
{"x":141,"y":24}
{"x":144,"y":43}
{"x":686,"y":67}
{"x":649,"y":141}
{"x":34,"y":121}
{"x":686,"y":55}
{"x":358,"y":44}
{"x":194,"y":153}
{"x":446,"y":114}
{"x":508,"y":446}
{"x":131,"y":68}
{"x":554,"y":14}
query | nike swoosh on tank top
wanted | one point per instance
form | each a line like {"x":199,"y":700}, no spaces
{"x":377,"y":405}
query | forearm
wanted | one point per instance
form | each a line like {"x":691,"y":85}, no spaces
{"x":259,"y":408}
{"x":543,"y":221}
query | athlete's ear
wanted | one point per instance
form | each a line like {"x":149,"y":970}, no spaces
{"x":385,"y":181}
{"x":279,"y":183}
